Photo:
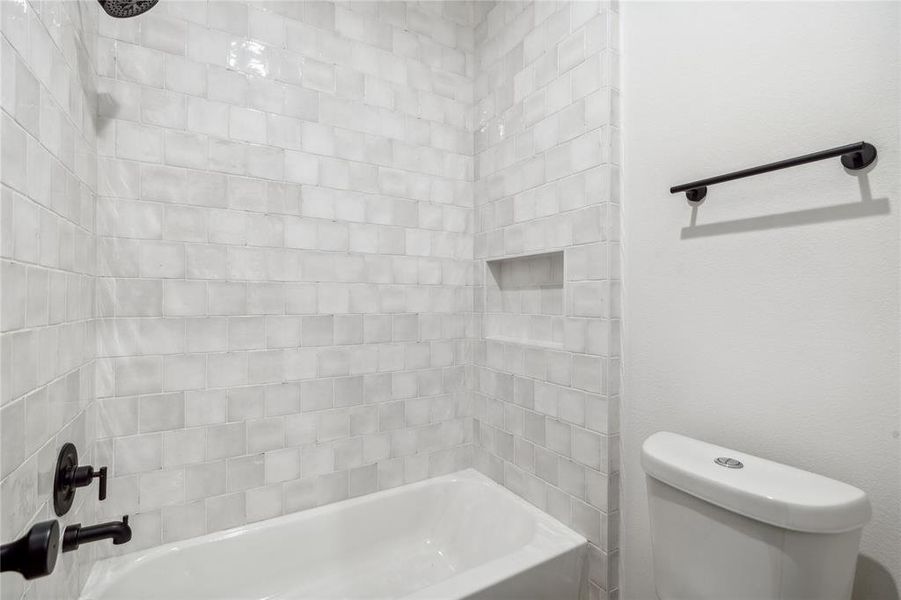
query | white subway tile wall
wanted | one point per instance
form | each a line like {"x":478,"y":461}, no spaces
{"x":47,"y":265}
{"x":285,"y":244}
{"x":546,"y":199}
{"x":263,"y":256}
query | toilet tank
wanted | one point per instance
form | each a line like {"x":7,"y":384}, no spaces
{"x":729,"y":525}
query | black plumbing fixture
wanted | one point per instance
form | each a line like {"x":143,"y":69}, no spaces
{"x":34,"y":554}
{"x":122,"y":9}
{"x":75,"y":535}
{"x":70,"y":476}
{"x":854,"y":157}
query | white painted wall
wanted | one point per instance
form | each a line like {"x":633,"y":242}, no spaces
{"x":776,"y":331}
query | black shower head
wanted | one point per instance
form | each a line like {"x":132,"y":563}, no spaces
{"x":126,"y":8}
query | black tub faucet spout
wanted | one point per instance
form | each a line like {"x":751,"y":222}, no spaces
{"x":75,"y":535}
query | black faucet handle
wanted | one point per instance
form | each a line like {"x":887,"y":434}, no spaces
{"x":101,"y":475}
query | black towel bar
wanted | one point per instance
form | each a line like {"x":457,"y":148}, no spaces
{"x":854,"y":156}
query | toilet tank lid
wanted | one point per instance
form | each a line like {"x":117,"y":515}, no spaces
{"x":761,"y":489}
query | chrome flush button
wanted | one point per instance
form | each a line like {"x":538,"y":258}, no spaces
{"x":731,"y":463}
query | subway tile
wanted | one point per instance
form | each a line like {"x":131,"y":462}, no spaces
{"x":163,"y":108}
{"x":287,"y":243}
{"x":183,"y":447}
{"x":204,"y":480}
{"x":265,"y":434}
{"x":161,"y":488}
{"x":247,"y":125}
{"x":204,"y":116}
{"x":162,"y":412}
{"x":140,"y":65}
{"x":165,"y":34}
{"x":225,"y":441}
{"x":245,"y":472}
{"x":137,"y":454}
{"x":226,"y":511}
{"x":207,"y":45}
{"x":183,"y":521}
{"x":185,"y":76}
{"x":264,"y":502}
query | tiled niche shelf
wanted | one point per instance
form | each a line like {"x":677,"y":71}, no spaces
{"x":524,"y":300}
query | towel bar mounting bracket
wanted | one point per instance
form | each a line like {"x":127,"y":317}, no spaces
{"x":861,"y":159}
{"x":697,"y":194}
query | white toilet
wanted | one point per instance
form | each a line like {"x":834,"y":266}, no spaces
{"x":730,"y":526}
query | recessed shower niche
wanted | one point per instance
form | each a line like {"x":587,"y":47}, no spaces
{"x":524,"y":300}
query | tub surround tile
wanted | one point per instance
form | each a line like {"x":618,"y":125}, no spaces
{"x":261,"y":259}
{"x":48,"y":267}
{"x":285,"y":237}
{"x":546,"y":225}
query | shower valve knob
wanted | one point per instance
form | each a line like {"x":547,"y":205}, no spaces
{"x":71,"y":476}
{"x":82,"y":476}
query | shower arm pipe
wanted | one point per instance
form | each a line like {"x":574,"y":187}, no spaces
{"x":854,"y":157}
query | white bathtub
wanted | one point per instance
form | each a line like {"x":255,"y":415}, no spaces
{"x":457,"y":536}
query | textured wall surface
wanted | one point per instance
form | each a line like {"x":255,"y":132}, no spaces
{"x":48,"y":145}
{"x":285,"y":244}
{"x":546,"y":360}
{"x":767,"y":320}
